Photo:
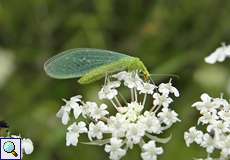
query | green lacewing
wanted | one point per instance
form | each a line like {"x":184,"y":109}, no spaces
{"x":90,"y":64}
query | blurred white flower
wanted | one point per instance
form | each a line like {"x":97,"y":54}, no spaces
{"x":7,"y":65}
{"x":215,"y":116}
{"x":27,"y":146}
{"x":219,"y":55}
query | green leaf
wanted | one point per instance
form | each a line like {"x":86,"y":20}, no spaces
{"x":97,"y":142}
{"x":90,"y":64}
{"x":159,"y":140}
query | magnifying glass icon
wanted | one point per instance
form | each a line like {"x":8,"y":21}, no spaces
{"x":9,"y":147}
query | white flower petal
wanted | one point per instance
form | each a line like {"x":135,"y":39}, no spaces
{"x":27,"y":146}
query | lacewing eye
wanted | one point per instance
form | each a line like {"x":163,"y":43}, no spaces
{"x":89,"y":64}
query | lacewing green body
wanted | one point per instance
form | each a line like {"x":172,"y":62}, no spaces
{"x":90,"y":64}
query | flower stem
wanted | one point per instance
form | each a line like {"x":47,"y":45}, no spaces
{"x":132,"y":97}
{"x":144,"y":100}
{"x":118,"y":102}
{"x":135,"y":94}
{"x":157,"y":109}
{"x":123,"y":98}
{"x":114,"y":104}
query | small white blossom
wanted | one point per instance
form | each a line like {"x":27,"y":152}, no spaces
{"x":150,"y":151}
{"x":133,"y":111}
{"x":63,"y":113}
{"x":121,"y":75}
{"x":115,"y":149}
{"x":109,"y":90}
{"x":166,"y":88}
{"x":73,"y":133}
{"x":98,"y":112}
{"x":135,"y":132}
{"x":87,"y":108}
{"x":225,"y":145}
{"x":207,"y":117}
{"x":221,"y":103}
{"x":193,"y":135}
{"x":72,"y":138}
{"x":150,"y":123}
{"x":97,"y":130}
{"x":161,"y":100}
{"x":208,"y":142}
{"x":132,"y":80}
{"x":118,"y":125}
{"x":65,"y":110}
{"x":224,"y":115}
{"x":219,"y":127}
{"x":219,"y":55}
{"x":168,"y":116}
{"x":76,"y":98}
{"x":147,"y":88}
{"x":27,"y":146}
{"x":206,"y":105}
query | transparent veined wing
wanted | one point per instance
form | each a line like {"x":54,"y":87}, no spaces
{"x":75,"y":63}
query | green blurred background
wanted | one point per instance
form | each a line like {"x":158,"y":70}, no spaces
{"x":170,"y":36}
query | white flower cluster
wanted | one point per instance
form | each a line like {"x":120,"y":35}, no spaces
{"x":7,"y":65}
{"x":215,"y":117}
{"x":219,"y":55}
{"x":132,"y":121}
{"x":26,"y":144}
